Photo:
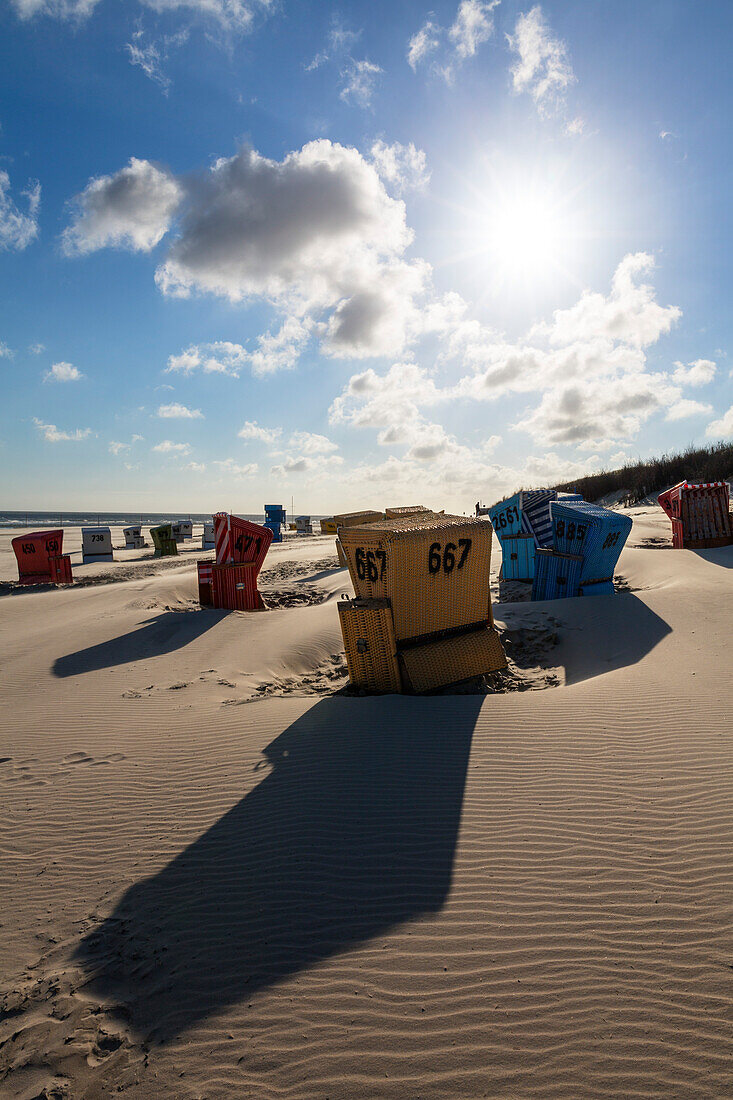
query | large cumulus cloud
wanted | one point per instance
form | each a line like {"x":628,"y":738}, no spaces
{"x":315,"y":234}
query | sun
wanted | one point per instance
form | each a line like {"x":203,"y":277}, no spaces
{"x":519,"y":228}
{"x":525,"y":234}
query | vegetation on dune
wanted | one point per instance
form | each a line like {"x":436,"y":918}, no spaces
{"x":638,"y":480}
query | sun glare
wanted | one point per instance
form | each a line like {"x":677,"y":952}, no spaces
{"x":520,"y":228}
{"x":525,"y":234}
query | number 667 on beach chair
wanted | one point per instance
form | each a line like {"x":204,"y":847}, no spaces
{"x":422,"y":617}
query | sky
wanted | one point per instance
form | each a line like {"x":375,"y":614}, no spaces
{"x":357,"y":254}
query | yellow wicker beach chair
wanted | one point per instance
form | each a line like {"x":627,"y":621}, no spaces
{"x":433,"y":571}
{"x":357,"y":519}
{"x":371,"y":649}
{"x":407,"y":510}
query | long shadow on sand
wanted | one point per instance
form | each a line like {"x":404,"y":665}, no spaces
{"x":608,"y":632}
{"x":351,"y":832}
{"x":162,"y":634}
{"x":722,"y":556}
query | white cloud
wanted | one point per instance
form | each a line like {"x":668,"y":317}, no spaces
{"x":317,"y":466}
{"x":275,"y":351}
{"x":542,"y":68}
{"x":697,"y":373}
{"x":131,"y":209}
{"x":359,"y":81}
{"x":340,"y":40}
{"x":220,"y":357}
{"x":36,"y":349}
{"x":304,"y":226}
{"x":235,"y":469}
{"x":175,"y":411}
{"x":5,"y":351}
{"x":168,"y":447}
{"x":60,"y":9}
{"x":588,"y":365}
{"x":251,"y":431}
{"x":389,"y":401}
{"x":684,"y":408}
{"x":282,"y":349}
{"x":233,"y":15}
{"x":402,"y":166}
{"x":150,"y":56}
{"x":723,"y":428}
{"x":423,"y":44}
{"x":54,"y":435}
{"x":473,"y":25}
{"x":358,"y":75}
{"x":312,"y":233}
{"x":17,"y":230}
{"x":630,"y":313}
{"x":118,"y":448}
{"x":194,"y":467}
{"x":597,"y":412}
{"x":309,"y":443}
{"x":63,"y":372}
{"x":230,"y":15}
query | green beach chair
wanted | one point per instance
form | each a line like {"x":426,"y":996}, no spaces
{"x":163,"y":540}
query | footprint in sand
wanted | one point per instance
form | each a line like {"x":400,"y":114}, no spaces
{"x":105,"y":1044}
{"x":75,"y":758}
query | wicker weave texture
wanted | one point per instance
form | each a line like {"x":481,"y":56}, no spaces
{"x":406,"y":510}
{"x":450,"y":660}
{"x":369,"y":641}
{"x":434,"y":569}
{"x":355,"y":519}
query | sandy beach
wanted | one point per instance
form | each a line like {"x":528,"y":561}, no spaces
{"x":223,"y":876}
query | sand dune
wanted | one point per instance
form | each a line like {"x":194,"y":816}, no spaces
{"x":221,"y":878}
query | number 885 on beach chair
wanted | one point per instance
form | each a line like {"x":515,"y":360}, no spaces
{"x":422,"y":617}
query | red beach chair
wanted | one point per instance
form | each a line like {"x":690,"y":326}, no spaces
{"x":241,"y":547}
{"x":40,"y":560}
{"x":700,"y":514}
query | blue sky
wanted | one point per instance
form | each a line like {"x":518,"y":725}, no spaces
{"x":359,"y":253}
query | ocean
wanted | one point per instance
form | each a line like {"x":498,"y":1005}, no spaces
{"x":40,"y":520}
